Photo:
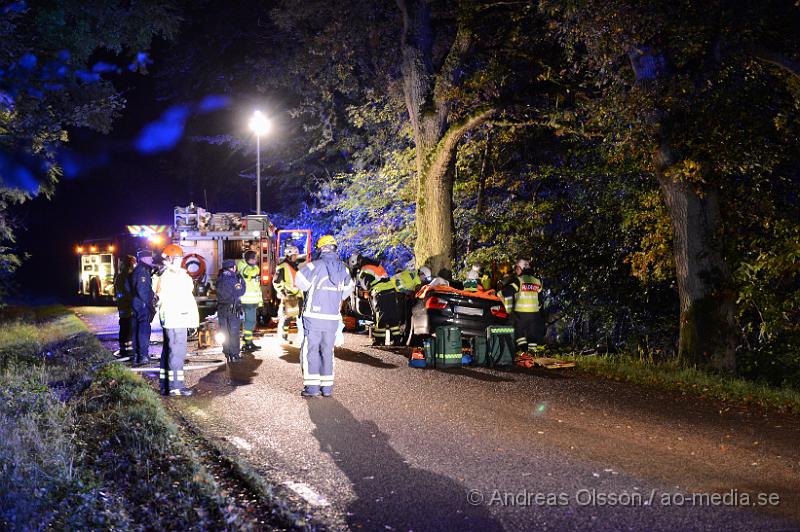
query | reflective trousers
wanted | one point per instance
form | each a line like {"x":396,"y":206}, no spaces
{"x":528,"y":329}
{"x":173,"y":357}
{"x":250,"y":316}
{"x":316,"y":360}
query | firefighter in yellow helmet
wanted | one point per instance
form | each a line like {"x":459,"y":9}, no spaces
{"x":177,"y":311}
{"x":326,"y":282}
{"x":250,"y":271}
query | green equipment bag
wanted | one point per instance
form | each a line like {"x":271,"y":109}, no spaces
{"x":478,"y":345}
{"x":447,"y":347}
{"x":500,"y":346}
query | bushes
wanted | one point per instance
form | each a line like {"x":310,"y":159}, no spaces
{"x":79,"y":453}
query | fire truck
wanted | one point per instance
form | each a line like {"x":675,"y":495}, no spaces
{"x":100,"y":259}
{"x":207,"y":239}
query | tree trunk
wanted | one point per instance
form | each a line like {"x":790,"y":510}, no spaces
{"x":426,"y":96}
{"x":707,"y":321}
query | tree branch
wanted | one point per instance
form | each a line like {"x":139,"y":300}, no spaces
{"x":784,"y":63}
{"x":445,"y":148}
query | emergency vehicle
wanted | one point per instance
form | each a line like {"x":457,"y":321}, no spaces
{"x":100,"y":259}
{"x":207,"y":239}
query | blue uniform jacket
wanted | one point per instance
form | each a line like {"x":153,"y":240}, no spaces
{"x":141,"y":288}
{"x":230,"y":288}
{"x":326,"y":282}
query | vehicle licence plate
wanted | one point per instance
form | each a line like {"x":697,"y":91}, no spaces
{"x":469,"y":311}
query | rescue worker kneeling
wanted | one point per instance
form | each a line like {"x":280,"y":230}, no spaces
{"x":326,"y":283}
{"x":177,"y":310}
{"x":230,"y":288}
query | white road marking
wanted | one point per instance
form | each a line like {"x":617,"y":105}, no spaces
{"x":305,"y":491}
{"x":239,"y":442}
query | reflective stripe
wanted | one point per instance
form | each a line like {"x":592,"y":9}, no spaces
{"x":321,"y":316}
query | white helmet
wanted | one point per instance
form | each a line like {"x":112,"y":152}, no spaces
{"x":472,"y":275}
{"x":353,"y":260}
{"x":523,"y":264}
{"x":291,"y":250}
{"x":476,"y":267}
{"x":426,"y":272}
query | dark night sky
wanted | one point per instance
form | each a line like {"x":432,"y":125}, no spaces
{"x":132,"y":188}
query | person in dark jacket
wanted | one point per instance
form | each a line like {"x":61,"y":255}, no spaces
{"x":143,"y":308}
{"x":124,"y":300}
{"x":230,"y":289}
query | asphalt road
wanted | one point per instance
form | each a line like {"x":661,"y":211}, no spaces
{"x":398,"y":448}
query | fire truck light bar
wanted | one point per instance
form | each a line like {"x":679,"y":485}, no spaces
{"x":146,"y":230}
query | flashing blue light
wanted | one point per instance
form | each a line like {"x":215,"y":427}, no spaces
{"x":28,"y":61}
{"x":88,"y":77}
{"x":164,"y":133}
{"x":15,"y":175}
{"x":16,"y":7}
{"x":212,"y":103}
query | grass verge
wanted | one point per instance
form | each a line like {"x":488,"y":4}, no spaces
{"x":91,"y":450}
{"x":688,"y":381}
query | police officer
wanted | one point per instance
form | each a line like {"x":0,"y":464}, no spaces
{"x":124,"y":299}
{"x":252,"y":298}
{"x":142,"y":308}
{"x":521,"y":298}
{"x":230,"y":288}
{"x":290,"y":296}
{"x":326,"y":283}
{"x":177,"y":310}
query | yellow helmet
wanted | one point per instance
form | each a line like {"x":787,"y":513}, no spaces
{"x":326,"y":240}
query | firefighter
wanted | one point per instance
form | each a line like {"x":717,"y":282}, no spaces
{"x":387,"y":309}
{"x":252,"y":299}
{"x":473,"y":283}
{"x":177,"y":310}
{"x":124,"y":299}
{"x":521,"y":298}
{"x":484,"y":280}
{"x":326,"y":282}
{"x":286,"y":290}
{"x":408,"y":280}
{"x":230,"y":288}
{"x":142,"y":309}
{"x":425,"y":275}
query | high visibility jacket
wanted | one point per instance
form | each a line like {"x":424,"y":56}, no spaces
{"x":472,"y":285}
{"x":382,"y":285}
{"x":326,"y":283}
{"x":252,"y":283}
{"x":284,"y":281}
{"x":369,"y":274}
{"x":522,"y":294}
{"x":486,"y":281}
{"x":177,"y":307}
{"x":407,"y":281}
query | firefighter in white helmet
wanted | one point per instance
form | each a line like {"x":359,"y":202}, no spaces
{"x":290,"y":296}
{"x":177,"y":310}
